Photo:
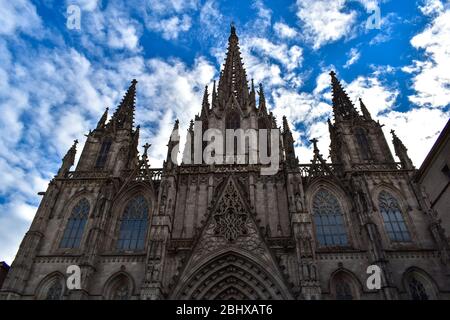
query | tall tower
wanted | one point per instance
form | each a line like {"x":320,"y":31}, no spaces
{"x":355,"y":138}
{"x":112,"y":145}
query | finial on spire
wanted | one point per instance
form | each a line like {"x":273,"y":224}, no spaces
{"x":232,"y":28}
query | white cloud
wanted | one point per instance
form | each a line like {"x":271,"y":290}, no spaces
{"x":19,"y":16}
{"x":376,"y":96}
{"x":123,"y":35}
{"x":284,"y":31}
{"x":325,"y":21}
{"x":172,"y":27}
{"x":353,"y":57}
{"x":432,"y":7}
{"x":407,"y":124}
{"x":291,"y":58}
{"x":431,"y":79}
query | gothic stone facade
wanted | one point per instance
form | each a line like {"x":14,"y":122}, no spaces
{"x":226,"y":231}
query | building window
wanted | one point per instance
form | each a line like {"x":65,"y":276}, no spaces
{"x":103,"y":154}
{"x":417,"y":289}
{"x":328,"y":220}
{"x":75,"y":226}
{"x":133,"y":227}
{"x":363,"y":144}
{"x":343,"y":290}
{"x":55,"y":291}
{"x":344,"y":287}
{"x":393,"y":218}
{"x":119,"y":288}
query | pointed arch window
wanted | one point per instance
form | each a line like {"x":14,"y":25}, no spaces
{"x":119,"y":288}
{"x":344,"y":287}
{"x":75,"y":225}
{"x":328,"y":220}
{"x":103,"y":154}
{"x":343,"y":291}
{"x":55,"y":290}
{"x":133,"y":226}
{"x":394,"y":222}
{"x":363,"y":144}
{"x":417,"y":289}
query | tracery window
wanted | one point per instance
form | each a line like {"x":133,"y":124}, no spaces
{"x":394,"y":222}
{"x":343,"y":290}
{"x":75,"y":226}
{"x":55,"y":291}
{"x":103,"y":154}
{"x":417,"y":289}
{"x":328,"y":220}
{"x":121,"y":292}
{"x":133,"y":227}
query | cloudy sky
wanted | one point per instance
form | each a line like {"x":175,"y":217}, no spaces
{"x":56,"y":79}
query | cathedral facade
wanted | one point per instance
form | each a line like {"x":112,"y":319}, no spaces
{"x":226,"y":231}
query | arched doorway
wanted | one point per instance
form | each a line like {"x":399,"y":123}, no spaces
{"x":231,"y":276}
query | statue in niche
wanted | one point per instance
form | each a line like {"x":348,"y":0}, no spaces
{"x":298,"y":203}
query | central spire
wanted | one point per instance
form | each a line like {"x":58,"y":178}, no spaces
{"x":342,"y":105}
{"x":233,"y":78}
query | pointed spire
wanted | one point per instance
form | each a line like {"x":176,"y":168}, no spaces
{"x":102,"y":122}
{"x":233,"y":78}
{"x":285,"y":125}
{"x":176,"y":126}
{"x":319,"y":166}
{"x":68,"y":160}
{"x":214,"y":95}
{"x":364,"y":110}
{"x":262,"y":100}
{"x":173,"y":146}
{"x":401,"y":152}
{"x":205,"y":104}
{"x":252,"y":96}
{"x":342,"y":105}
{"x":124,"y":115}
{"x":288,"y":144}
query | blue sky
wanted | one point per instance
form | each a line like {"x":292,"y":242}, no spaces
{"x":56,"y":81}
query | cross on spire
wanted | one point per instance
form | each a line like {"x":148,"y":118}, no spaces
{"x":146,"y":147}
{"x":314,"y":141}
